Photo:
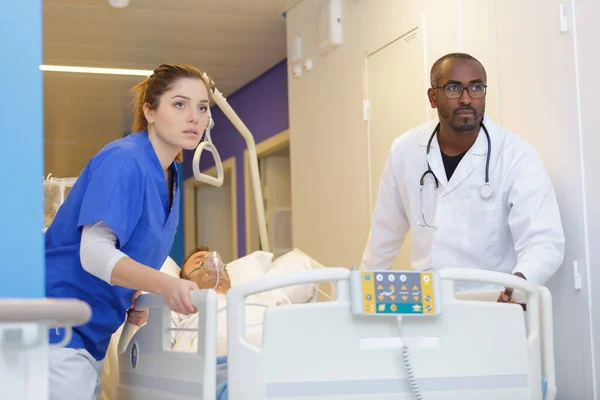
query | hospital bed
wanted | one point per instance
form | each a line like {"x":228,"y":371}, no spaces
{"x":475,"y":349}
{"x":254,"y":266}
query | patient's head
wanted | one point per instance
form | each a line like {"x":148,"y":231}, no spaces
{"x":194,"y":269}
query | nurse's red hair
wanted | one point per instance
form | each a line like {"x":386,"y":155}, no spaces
{"x":152,"y":88}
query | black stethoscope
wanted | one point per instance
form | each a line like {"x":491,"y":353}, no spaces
{"x":485,"y":192}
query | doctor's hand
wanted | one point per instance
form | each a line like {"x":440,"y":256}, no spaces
{"x":506,"y":294}
{"x":177,"y":295}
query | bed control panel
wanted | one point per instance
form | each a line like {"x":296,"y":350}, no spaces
{"x":389,"y":293}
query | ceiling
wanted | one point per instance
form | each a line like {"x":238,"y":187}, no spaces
{"x":233,"y":41}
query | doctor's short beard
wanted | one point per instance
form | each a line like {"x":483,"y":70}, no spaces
{"x":461,"y":123}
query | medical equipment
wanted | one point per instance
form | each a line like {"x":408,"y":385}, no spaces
{"x":24,"y":344}
{"x":63,"y":183}
{"x":385,"y":293}
{"x":213,"y":262}
{"x":207,"y":144}
{"x":485,"y":192}
{"x":324,"y":351}
{"x":393,"y":294}
{"x":455,"y":355}
{"x":213,"y":265}
{"x":250,"y":267}
{"x":252,"y":157}
{"x":149,"y":370}
{"x":54,"y":196}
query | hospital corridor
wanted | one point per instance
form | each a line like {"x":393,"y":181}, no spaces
{"x":299,"y":199}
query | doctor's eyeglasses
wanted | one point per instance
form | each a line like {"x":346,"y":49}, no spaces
{"x":455,"y":90}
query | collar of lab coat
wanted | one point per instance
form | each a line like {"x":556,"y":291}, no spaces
{"x":473,"y":159}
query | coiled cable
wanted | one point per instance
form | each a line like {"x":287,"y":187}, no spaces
{"x":412,"y":379}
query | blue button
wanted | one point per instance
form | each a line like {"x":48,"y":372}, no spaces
{"x":367,"y":277}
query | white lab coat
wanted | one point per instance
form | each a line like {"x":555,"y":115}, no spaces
{"x":518,"y":229}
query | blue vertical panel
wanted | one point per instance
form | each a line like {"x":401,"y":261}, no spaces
{"x":177,"y":249}
{"x":22,"y":272}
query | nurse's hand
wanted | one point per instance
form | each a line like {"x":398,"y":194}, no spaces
{"x":177,"y":296}
{"x":137,"y":317}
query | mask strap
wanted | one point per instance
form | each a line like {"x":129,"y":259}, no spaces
{"x":195,"y":269}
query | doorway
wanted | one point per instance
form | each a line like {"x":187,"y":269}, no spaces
{"x":210,"y":213}
{"x":275,"y":176}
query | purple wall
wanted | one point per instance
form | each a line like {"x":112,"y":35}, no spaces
{"x":263,"y":107}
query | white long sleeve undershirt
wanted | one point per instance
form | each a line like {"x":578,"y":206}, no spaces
{"x":98,"y":252}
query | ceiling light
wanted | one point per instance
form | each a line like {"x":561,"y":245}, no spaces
{"x":118,"y":3}
{"x":91,"y":70}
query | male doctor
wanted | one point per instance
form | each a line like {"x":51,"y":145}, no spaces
{"x":462,"y":213}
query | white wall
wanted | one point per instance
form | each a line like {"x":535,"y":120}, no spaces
{"x":588,"y":34}
{"x":532,"y":78}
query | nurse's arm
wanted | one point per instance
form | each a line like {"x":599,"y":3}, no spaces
{"x":100,"y":257}
{"x":131,"y":274}
{"x":534,"y":220}
{"x":389,"y":224}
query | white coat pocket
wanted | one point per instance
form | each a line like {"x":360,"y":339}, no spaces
{"x":481,"y":227}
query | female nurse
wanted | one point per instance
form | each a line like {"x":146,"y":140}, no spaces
{"x":117,"y":225}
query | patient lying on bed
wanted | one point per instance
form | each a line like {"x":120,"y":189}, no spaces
{"x":192,"y":269}
{"x":255,"y":267}
{"x":252,"y":267}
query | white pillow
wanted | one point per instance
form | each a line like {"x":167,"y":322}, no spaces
{"x":290,"y":263}
{"x":252,"y":267}
{"x":170,"y":267}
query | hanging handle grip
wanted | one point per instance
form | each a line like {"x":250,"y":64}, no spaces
{"x":210,"y":180}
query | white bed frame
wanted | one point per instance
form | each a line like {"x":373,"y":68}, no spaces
{"x":149,"y":370}
{"x":320,"y":351}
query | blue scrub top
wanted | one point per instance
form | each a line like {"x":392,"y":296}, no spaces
{"x":123,"y":185}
